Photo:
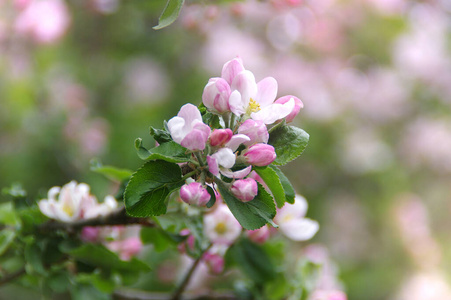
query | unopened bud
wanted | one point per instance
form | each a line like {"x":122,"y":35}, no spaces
{"x":260,"y":155}
{"x":244,"y":189}
{"x":194,"y":193}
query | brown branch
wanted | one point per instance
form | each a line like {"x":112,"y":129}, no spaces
{"x":10,"y":277}
{"x":140,"y":295}
{"x":118,"y":217}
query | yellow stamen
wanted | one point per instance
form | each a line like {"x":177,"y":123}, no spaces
{"x":68,"y":209}
{"x":221,"y":228}
{"x":287,"y":218}
{"x":253,"y":106}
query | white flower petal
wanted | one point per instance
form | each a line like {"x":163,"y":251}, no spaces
{"x":299,"y":229}
{"x":237,"y":174}
{"x":236,"y":103}
{"x":273,"y":112}
{"x":245,"y":83}
{"x":267,"y":91}
{"x":237,"y":140}
{"x":176,"y":128}
{"x":225,"y":157}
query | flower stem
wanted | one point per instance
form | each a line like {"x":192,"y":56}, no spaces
{"x":189,"y":175}
{"x":181,"y":288}
{"x":199,"y":158}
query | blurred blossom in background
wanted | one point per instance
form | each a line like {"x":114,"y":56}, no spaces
{"x":82,"y":79}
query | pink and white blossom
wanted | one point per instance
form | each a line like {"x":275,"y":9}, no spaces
{"x":220,"y":137}
{"x":45,"y":21}
{"x":65,"y":203}
{"x":220,"y":226}
{"x":221,"y":161}
{"x":255,"y":130}
{"x":126,"y":248}
{"x":296,"y":109}
{"x":260,"y":155}
{"x":257,"y":99}
{"x":292,"y":222}
{"x":216,"y":95}
{"x":214,"y":262}
{"x":217,"y":91}
{"x":244,"y":189}
{"x":260,"y":235}
{"x":187,"y":128}
{"x":194,"y":193}
{"x":74,"y":202}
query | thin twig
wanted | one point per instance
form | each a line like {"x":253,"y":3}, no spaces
{"x":119,"y":217}
{"x":181,"y":288}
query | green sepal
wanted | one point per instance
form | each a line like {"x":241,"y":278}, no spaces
{"x":161,"y":136}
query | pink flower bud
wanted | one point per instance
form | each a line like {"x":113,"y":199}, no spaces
{"x":244,"y":189}
{"x":260,"y":235}
{"x":216,"y":95}
{"x":90,"y":234}
{"x":188,"y":244}
{"x":297,"y":106}
{"x":126,"y":248}
{"x":194,"y":193}
{"x":260,"y":155}
{"x":220,"y":136}
{"x":215,"y":262}
{"x":255,"y":130}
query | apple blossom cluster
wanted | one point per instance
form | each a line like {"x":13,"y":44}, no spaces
{"x":246,"y":110}
{"x":73,"y":202}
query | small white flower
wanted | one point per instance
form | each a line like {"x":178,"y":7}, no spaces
{"x":292,"y":222}
{"x":221,"y":227}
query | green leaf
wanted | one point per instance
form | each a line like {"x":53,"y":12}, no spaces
{"x":102,"y":282}
{"x":87,"y":292}
{"x":170,"y":151}
{"x":101,"y":257}
{"x":289,"y":142}
{"x":58,"y":281}
{"x":290,"y":193}
{"x":161,"y":136}
{"x":253,"y":214}
{"x":110,"y":172}
{"x":212,"y":195}
{"x":149,"y":187}
{"x":170,"y":13}
{"x":253,"y":261}
{"x":211,"y":120}
{"x":6,"y":238}
{"x":34,"y":257}
{"x":15,"y":191}
{"x":157,"y":237}
{"x":272,"y":180}
{"x":8,"y":215}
